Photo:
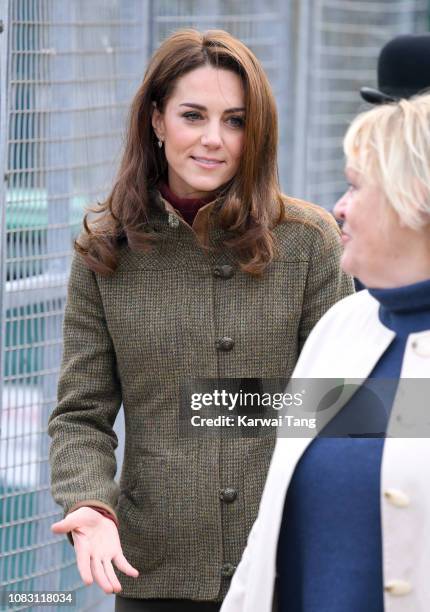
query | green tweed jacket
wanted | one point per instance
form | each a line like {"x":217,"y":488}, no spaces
{"x":184,"y":506}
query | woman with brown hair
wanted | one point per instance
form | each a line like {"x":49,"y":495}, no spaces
{"x":196,"y":266}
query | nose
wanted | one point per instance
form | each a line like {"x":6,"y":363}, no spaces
{"x":339,"y":209}
{"x":212,"y":135}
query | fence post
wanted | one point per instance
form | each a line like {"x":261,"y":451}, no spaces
{"x":301,"y":99}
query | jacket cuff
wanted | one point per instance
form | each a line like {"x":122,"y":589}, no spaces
{"x":105,"y":513}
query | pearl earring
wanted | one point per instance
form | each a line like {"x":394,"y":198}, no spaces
{"x":160,"y":144}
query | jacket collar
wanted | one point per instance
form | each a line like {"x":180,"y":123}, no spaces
{"x":172,"y":218}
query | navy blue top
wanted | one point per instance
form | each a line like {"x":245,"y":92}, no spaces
{"x":329,"y":548}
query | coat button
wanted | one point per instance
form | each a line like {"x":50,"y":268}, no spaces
{"x":228,"y":570}
{"x":397,"y":498}
{"x":422,"y":346}
{"x":224,"y":344}
{"x":398,"y":587}
{"x":228,"y":495}
{"x":225,"y":271}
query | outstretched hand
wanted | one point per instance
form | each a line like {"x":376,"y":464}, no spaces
{"x":97,"y":546}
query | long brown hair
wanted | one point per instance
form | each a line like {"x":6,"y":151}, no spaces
{"x":252,"y":203}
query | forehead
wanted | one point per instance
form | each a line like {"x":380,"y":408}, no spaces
{"x":210,"y":87}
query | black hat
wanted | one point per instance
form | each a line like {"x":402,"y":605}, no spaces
{"x":403,"y":69}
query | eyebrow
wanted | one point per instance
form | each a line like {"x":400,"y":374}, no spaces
{"x":236,"y":109}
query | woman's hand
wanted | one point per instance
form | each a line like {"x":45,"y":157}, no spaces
{"x":97,"y":544}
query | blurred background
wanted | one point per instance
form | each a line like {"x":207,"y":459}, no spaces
{"x":68,"y":70}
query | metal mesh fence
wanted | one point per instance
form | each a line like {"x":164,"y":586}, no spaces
{"x":339,"y":41}
{"x":71,"y":70}
{"x":317,"y":54}
{"x":67,"y":73}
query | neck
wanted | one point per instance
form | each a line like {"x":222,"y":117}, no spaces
{"x":188,"y":207}
{"x":405,"y":270}
{"x":181,"y":200}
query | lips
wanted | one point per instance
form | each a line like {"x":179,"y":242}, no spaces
{"x":345,"y":237}
{"x":206,"y":161}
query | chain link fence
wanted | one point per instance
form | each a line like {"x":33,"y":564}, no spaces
{"x":68,"y":70}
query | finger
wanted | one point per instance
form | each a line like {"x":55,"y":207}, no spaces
{"x":109,"y":571}
{"x":100,"y":577}
{"x":67,"y":524}
{"x":124,"y":566}
{"x":83,"y":562}
{"x":57,"y":527}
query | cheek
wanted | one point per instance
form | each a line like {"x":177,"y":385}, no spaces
{"x":179,"y":136}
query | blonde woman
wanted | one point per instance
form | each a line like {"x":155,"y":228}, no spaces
{"x":343,"y":523}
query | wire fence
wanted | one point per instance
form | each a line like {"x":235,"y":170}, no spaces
{"x":67,"y":73}
{"x":70,"y":72}
{"x":339,"y":56}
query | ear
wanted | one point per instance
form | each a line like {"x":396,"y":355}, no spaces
{"x":157,"y":120}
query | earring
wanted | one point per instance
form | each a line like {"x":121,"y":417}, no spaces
{"x":160,"y":144}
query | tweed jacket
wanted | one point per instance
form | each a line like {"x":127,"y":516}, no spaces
{"x":347,"y":343}
{"x":132,"y":338}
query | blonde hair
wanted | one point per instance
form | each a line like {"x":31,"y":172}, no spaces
{"x":390,"y":146}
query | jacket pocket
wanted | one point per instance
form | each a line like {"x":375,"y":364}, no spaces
{"x":142,"y":514}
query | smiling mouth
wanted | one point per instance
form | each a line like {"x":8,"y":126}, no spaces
{"x":207,"y":162}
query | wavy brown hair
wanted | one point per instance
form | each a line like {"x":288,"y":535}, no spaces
{"x":251,"y":203}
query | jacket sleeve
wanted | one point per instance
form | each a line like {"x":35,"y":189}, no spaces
{"x":82,"y":457}
{"x":326,"y":283}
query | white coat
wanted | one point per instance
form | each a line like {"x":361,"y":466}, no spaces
{"x":347,"y":342}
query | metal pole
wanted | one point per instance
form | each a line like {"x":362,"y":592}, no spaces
{"x":302,"y":98}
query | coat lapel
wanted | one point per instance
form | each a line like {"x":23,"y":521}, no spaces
{"x":352,"y":356}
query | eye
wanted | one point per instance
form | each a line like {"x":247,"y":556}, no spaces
{"x":236,"y":122}
{"x":351,"y":187}
{"x":192,"y":116}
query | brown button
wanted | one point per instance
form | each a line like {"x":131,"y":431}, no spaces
{"x":224,"y":344}
{"x":228,"y":570}
{"x":225,"y":271}
{"x":228,"y":495}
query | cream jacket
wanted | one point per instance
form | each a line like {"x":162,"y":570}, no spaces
{"x":347,"y":342}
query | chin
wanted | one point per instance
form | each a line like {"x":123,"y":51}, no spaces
{"x":206,"y":185}
{"x":348,"y":266}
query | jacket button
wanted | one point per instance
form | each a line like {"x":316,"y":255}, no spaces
{"x":224,"y":344}
{"x":397,"y":498}
{"x":228,"y":495}
{"x":228,"y":570}
{"x":225,"y":271}
{"x":398,"y":587}
{"x":422,"y":346}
